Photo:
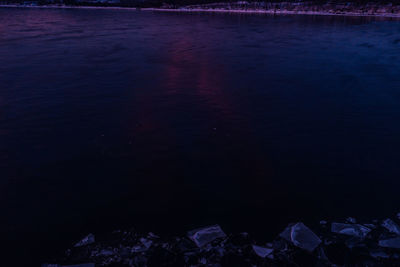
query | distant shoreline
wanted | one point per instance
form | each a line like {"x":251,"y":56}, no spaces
{"x":68,"y":7}
{"x":207,"y":9}
{"x":272,"y":12}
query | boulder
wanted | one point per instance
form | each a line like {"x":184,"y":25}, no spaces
{"x":263,"y":252}
{"x":89,"y":239}
{"x":390,"y":243}
{"x":391,"y":226}
{"x":355,"y":230}
{"x":301,"y":236}
{"x":206,"y":235}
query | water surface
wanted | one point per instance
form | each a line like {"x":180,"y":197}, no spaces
{"x":165,"y":122}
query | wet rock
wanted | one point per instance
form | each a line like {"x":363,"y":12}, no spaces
{"x":297,"y":245}
{"x":185,"y":245}
{"x":390,"y":243}
{"x":125,"y":252}
{"x":152,"y":236}
{"x":301,"y":236}
{"x":263,"y":252}
{"x":146,"y":242}
{"x":106,"y":253}
{"x":138,"y":249}
{"x":370,"y":225}
{"x":391,"y":226}
{"x":87,"y":240}
{"x":351,"y":220}
{"x":337,"y":253}
{"x":203,"y":260}
{"x":162,"y":257}
{"x":140,"y":261}
{"x":75,"y":265}
{"x":354,"y":242}
{"x":81,"y":265}
{"x":355,"y":230}
{"x":206,"y":235}
{"x":379,"y":254}
{"x":220,"y":251}
{"x":321,"y":254}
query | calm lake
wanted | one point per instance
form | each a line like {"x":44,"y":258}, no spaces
{"x":111,"y":119}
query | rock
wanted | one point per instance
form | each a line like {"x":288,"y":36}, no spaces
{"x":146,"y":242}
{"x":379,"y":254}
{"x":301,"y":236}
{"x":125,"y":252}
{"x":337,"y":253}
{"x":89,"y":239}
{"x":390,"y":243}
{"x":80,"y":265}
{"x":209,"y":246}
{"x":138,"y":249}
{"x":355,"y":230}
{"x":140,"y":261}
{"x":152,"y":236}
{"x":244,"y":234}
{"x":76,"y":265}
{"x":280,"y":244}
{"x":206,"y":235}
{"x":321,"y":254}
{"x":106,"y":253}
{"x":391,"y":226}
{"x":354,"y":242}
{"x":370,"y":225}
{"x":220,"y":251}
{"x":323,"y":222}
{"x":351,"y":220}
{"x":185,"y":245}
{"x":263,"y":252}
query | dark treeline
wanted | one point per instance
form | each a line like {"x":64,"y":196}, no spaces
{"x":179,"y":3}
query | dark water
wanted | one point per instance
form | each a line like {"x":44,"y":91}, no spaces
{"x":165,"y":122}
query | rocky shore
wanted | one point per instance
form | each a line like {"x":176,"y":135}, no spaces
{"x":347,"y":243}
